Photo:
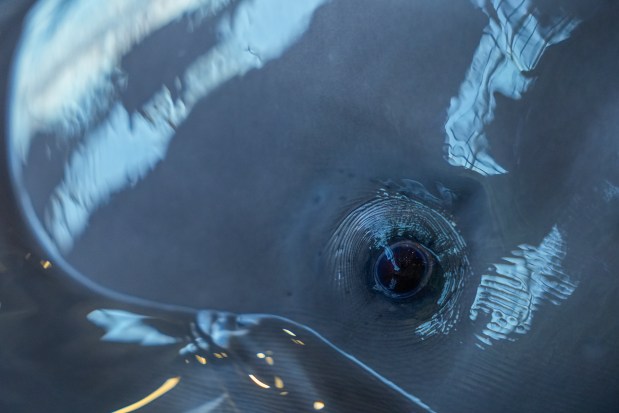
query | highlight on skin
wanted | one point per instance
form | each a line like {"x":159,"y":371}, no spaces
{"x":119,"y":149}
{"x":513,"y":292}
{"x":510,"y":48}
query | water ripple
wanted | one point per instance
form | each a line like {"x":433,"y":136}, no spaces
{"x":510,"y":48}
{"x":515,"y":289}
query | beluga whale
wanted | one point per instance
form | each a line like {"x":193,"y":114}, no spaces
{"x":309,"y":205}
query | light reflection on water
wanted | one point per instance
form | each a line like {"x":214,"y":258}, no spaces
{"x":287,"y":363}
{"x":510,"y":49}
{"x":126,"y":146}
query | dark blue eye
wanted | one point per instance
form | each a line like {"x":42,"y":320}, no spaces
{"x":403,"y":269}
{"x":398,"y":261}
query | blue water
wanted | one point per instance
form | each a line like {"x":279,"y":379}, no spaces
{"x":197,"y":193}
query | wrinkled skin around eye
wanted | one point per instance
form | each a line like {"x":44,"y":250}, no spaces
{"x":228,"y":177}
{"x":359,"y":242}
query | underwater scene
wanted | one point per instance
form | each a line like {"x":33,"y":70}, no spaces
{"x":309,"y":205}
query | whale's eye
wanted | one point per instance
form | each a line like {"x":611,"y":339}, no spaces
{"x":403,"y":269}
{"x":397,"y":263}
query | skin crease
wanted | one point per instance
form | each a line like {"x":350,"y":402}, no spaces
{"x":258,"y":178}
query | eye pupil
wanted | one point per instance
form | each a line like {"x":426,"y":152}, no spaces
{"x":402,"y":269}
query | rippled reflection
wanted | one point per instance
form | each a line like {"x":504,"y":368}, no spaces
{"x":519,"y":285}
{"x":509,"y":51}
{"x":118,"y":148}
